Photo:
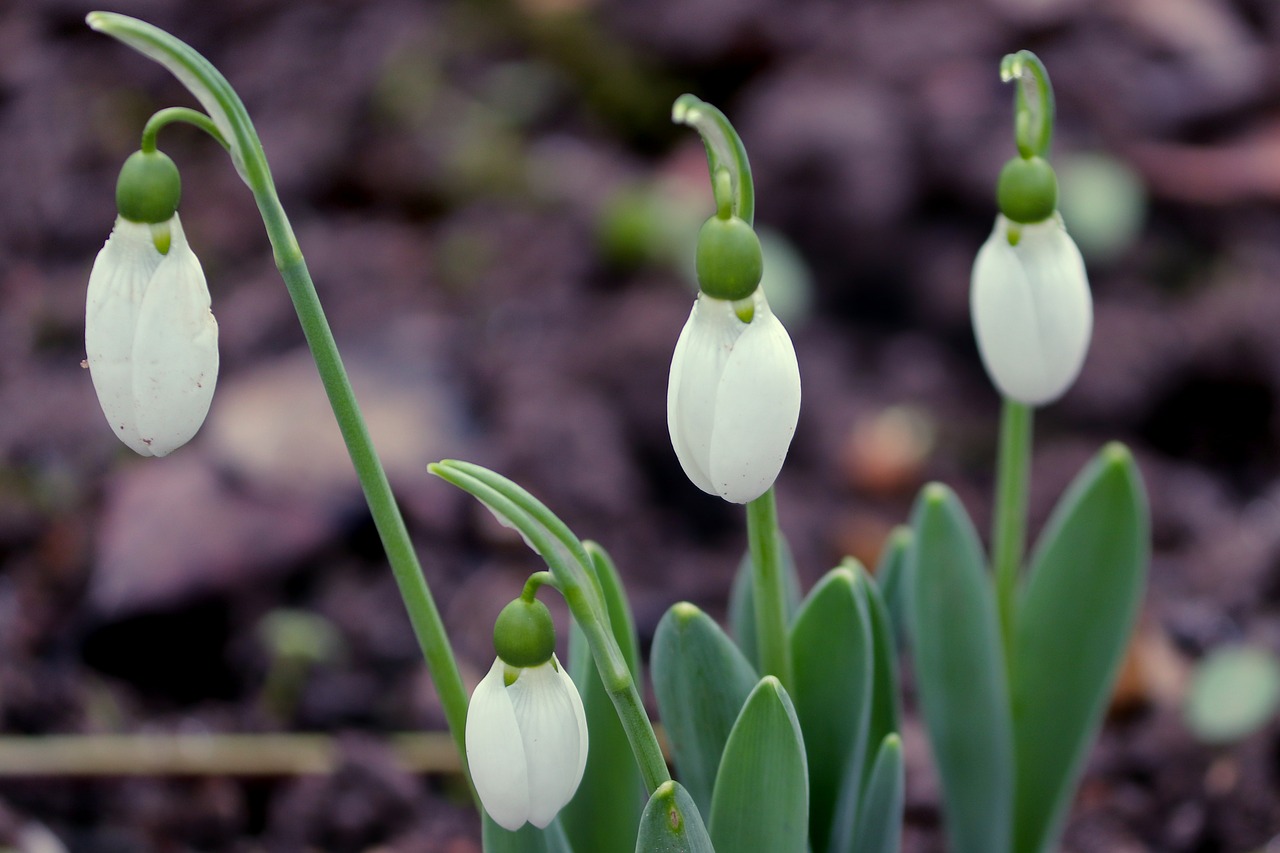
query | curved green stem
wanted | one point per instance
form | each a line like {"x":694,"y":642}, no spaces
{"x":1033,"y":103}
{"x":169,"y":115}
{"x":230,"y":118}
{"x":570,"y":564}
{"x":769,"y":588}
{"x":535,"y":582}
{"x":724,"y":151}
{"x":1009,"y":523}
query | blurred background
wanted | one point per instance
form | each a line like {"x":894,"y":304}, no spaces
{"x":499,"y":218}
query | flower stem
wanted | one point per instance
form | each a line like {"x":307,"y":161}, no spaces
{"x":169,"y":115}
{"x":1033,"y":107}
{"x":769,"y":591}
{"x":1009,"y":523}
{"x":230,"y":118}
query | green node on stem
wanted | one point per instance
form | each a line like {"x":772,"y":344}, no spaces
{"x":729,"y":260}
{"x":149,"y":187}
{"x":524,"y":634}
{"x":1027,"y":191}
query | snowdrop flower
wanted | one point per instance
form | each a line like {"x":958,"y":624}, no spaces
{"x":1031,"y":307}
{"x":526,"y":742}
{"x":150,"y":338}
{"x":526,"y":728}
{"x":733,"y":398}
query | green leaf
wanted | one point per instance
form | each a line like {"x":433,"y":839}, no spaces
{"x":742,"y":601}
{"x":700,"y":680}
{"x":761,"y":800}
{"x":960,"y":674}
{"x":832,"y":664}
{"x":886,"y":709}
{"x":880,"y":815}
{"x":605,"y":813}
{"x":671,"y":824}
{"x":893,"y":582}
{"x":526,"y":839}
{"x":1071,"y":631}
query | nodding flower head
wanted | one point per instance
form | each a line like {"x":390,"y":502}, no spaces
{"x":733,"y":398}
{"x":526,"y":728}
{"x":1032,"y":310}
{"x":150,"y":338}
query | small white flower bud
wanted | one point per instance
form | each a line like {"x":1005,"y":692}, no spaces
{"x":733,"y":398}
{"x":1032,"y":311}
{"x":151,"y":340}
{"x":526,"y":743}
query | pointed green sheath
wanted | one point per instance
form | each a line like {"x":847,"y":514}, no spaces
{"x":832,"y":663}
{"x":742,"y":602}
{"x":1072,"y":628}
{"x":671,"y":823}
{"x":893,"y":582}
{"x":526,"y":839}
{"x":960,"y":674}
{"x":701,"y":680}
{"x":880,"y":815}
{"x":605,"y":813}
{"x":886,"y":710}
{"x":761,"y":800}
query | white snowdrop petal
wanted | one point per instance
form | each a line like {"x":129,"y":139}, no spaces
{"x":757,"y":406}
{"x":552,"y":739}
{"x":121,"y":273}
{"x":1032,"y":311}
{"x":696,"y":367}
{"x":495,"y":752}
{"x":175,"y":353}
{"x":580,"y":715}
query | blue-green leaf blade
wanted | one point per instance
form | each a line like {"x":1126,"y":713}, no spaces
{"x":880,"y":815}
{"x":832,"y":667}
{"x":960,"y":674}
{"x":886,"y":707}
{"x":700,"y":680}
{"x":893,"y":580}
{"x":761,"y":799}
{"x":671,"y":823}
{"x":605,"y":812}
{"x":1072,"y":628}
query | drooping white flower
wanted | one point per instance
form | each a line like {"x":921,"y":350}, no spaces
{"x":151,"y":340}
{"x":526,"y":743}
{"x":733,"y":398}
{"x":1032,"y":310}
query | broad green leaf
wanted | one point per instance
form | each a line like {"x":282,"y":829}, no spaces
{"x":886,"y":710}
{"x":893,"y":582}
{"x":526,"y":839}
{"x":960,"y":674}
{"x":671,"y":824}
{"x":832,"y":664}
{"x":742,"y":601}
{"x":880,"y":815}
{"x":700,"y":680}
{"x":1071,"y":631}
{"x":605,"y":813}
{"x":761,"y":800}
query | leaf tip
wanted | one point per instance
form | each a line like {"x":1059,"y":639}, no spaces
{"x":1117,"y":454}
{"x":96,"y":20}
{"x":684,"y":612}
{"x":935,"y":495}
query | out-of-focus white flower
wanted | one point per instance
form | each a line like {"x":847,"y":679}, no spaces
{"x":526,"y":743}
{"x":151,"y":340}
{"x":1032,"y":311}
{"x":733,"y":398}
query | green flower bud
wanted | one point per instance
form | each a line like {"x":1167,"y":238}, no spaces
{"x":729,"y":262}
{"x":524,"y":634}
{"x":149,"y":187}
{"x":1028,"y":190}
